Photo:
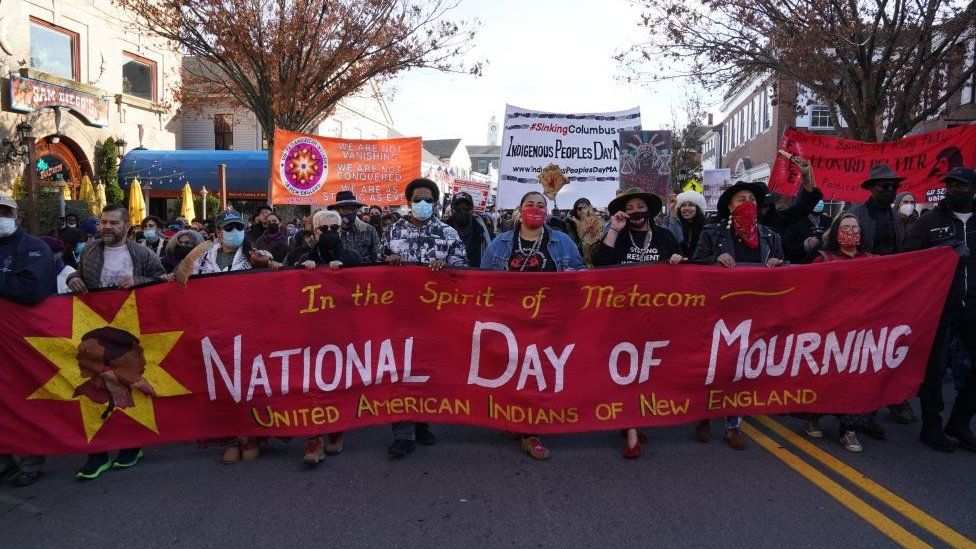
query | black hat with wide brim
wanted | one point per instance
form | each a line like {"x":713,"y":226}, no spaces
{"x":757,"y":189}
{"x":653,"y":201}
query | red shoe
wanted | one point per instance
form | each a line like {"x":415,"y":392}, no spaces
{"x":641,"y":437}
{"x":633,"y":452}
{"x":535,"y":448}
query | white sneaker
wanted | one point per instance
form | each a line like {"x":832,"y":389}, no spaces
{"x":850,"y":442}
{"x":812,"y":428}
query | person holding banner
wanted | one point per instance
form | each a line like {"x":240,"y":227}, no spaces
{"x":420,"y":238}
{"x":737,"y":238}
{"x":357,"y":235}
{"x":113,"y":262}
{"x":883,"y":233}
{"x":634,"y":238}
{"x":326,"y":250}
{"x":538,"y":249}
{"x":27,"y":275}
{"x":230,"y":252}
{"x":951,"y":223}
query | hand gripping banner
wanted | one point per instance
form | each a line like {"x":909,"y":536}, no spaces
{"x":302,"y":352}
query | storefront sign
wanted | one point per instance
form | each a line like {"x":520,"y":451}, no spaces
{"x":29,"y":95}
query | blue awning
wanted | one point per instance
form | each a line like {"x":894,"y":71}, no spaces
{"x":165,"y":172}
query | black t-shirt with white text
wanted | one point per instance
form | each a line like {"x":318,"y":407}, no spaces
{"x":632,"y":247}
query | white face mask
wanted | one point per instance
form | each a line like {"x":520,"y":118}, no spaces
{"x":7,"y":226}
{"x":906,"y":209}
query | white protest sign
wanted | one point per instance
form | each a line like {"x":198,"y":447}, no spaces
{"x":584,"y":146}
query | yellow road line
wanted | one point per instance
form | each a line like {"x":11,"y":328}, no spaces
{"x":916,"y":515}
{"x":857,"y":505}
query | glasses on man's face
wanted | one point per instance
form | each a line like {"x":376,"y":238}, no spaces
{"x":418,"y":200}
{"x":234,"y":227}
{"x":887,"y":186}
{"x":850,"y":230}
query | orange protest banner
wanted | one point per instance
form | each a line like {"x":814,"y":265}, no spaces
{"x":310,"y":169}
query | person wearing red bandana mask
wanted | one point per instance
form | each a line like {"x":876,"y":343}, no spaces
{"x":737,"y":238}
{"x":532,"y":247}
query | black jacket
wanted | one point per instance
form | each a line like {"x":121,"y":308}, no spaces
{"x":941,"y":228}
{"x":796,"y":234}
{"x":26,"y":268}
{"x":803,"y":204}
{"x":717,"y":239}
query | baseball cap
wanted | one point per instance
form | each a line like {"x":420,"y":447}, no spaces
{"x":227,"y":217}
{"x":462,"y":196}
{"x":8,"y":201}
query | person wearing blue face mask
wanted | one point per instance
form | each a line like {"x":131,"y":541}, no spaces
{"x":420,"y":238}
{"x":230,"y":251}
{"x":804,"y":239}
{"x":152,"y":231}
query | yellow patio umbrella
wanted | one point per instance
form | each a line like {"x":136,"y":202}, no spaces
{"x":100,"y":200}
{"x":137,"y":206}
{"x":87,"y":191}
{"x":186,"y":210}
{"x":66,"y":192}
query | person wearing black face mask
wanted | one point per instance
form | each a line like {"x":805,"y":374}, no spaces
{"x":178,"y":247}
{"x":951,"y":223}
{"x":356,"y":235}
{"x":881,"y":232}
{"x":470,"y":227}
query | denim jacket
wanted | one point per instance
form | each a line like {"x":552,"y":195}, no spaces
{"x":562,"y":249}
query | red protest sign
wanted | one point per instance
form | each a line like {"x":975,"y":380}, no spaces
{"x":650,"y":345}
{"x":479,"y":192}
{"x":840,"y":165}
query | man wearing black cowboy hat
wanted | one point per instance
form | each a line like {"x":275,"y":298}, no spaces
{"x":881,"y":233}
{"x":357,"y":235}
{"x":951,"y":223}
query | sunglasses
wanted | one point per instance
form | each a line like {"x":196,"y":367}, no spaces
{"x":429,"y":200}
{"x":333,"y":228}
{"x":234,"y":227}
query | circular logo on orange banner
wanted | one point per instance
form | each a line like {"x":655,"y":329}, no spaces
{"x":304,"y":166}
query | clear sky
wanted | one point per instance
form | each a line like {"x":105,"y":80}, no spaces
{"x":550,"y":55}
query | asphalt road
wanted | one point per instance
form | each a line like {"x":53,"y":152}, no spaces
{"x":474,"y":489}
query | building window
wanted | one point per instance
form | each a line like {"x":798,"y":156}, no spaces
{"x":138,"y":76}
{"x":494,"y":164}
{"x":224,"y":132}
{"x":54,"y":49}
{"x":820,"y":117}
{"x":767,"y":108}
{"x":482,"y":166}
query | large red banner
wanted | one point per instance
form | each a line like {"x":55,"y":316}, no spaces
{"x":301,"y":352}
{"x":841,"y":165}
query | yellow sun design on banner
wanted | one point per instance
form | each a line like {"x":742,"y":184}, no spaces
{"x":64,"y":353}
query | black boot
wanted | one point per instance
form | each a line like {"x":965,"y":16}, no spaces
{"x":933,"y":437}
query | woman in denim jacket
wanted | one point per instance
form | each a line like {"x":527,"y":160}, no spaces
{"x":559,"y":247}
{"x":532,"y":247}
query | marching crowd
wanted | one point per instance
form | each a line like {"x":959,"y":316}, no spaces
{"x":747,"y":228}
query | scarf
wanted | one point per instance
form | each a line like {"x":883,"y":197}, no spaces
{"x":744,"y":225}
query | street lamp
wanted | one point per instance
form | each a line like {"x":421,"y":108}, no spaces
{"x":203,"y":199}
{"x":26,"y":132}
{"x":120,"y":145}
